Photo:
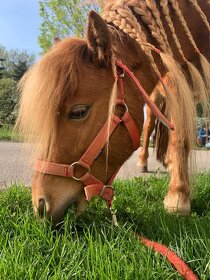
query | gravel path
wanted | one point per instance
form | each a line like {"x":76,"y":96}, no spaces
{"x":13,"y":164}
{"x":15,"y":169}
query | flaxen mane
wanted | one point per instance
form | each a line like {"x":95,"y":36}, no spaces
{"x":45,"y":89}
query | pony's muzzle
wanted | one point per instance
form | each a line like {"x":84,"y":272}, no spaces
{"x":41,"y":208}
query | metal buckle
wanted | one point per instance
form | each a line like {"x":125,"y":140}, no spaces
{"x":104,"y":189}
{"x":76,"y":163}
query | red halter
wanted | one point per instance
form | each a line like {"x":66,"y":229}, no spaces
{"x":94,"y":186}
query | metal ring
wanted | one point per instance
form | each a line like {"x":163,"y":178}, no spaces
{"x":77,"y":163}
{"x":126,"y":107}
{"x":104,"y":189}
{"x":122,"y":103}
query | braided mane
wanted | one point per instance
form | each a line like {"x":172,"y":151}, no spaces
{"x":150,"y":23}
{"x":128,"y":16}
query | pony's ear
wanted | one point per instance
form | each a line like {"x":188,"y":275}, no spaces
{"x":56,"y":40}
{"x":98,"y":38}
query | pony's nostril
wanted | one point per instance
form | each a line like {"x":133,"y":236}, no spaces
{"x":41,"y":208}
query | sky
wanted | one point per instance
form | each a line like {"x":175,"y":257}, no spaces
{"x":19,"y":25}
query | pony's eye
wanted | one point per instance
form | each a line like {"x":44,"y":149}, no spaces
{"x":79,"y":112}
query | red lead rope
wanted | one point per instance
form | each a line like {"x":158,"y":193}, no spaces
{"x":179,"y":264}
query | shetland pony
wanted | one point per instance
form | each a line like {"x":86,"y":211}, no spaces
{"x":70,"y":93}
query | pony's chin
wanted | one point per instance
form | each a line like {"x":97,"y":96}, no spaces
{"x":76,"y":209}
{"x":81,"y":207}
{"x":56,"y":217}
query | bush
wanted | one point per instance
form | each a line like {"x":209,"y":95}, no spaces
{"x":8,"y":101}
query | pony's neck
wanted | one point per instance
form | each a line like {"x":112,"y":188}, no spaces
{"x":128,"y":50}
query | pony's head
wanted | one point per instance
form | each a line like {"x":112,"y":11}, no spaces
{"x":64,"y":103}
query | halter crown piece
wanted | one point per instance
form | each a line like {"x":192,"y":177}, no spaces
{"x":94,"y":186}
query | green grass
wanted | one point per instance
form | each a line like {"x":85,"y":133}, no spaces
{"x":91,"y":248}
{"x":7,"y":133}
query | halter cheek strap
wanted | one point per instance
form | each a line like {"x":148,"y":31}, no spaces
{"x":145,"y":96}
{"x":93,"y":186}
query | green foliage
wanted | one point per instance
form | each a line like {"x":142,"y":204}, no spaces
{"x":90,"y":248}
{"x":1,"y":67}
{"x":15,"y":65}
{"x":8,"y":101}
{"x":199,"y":110}
{"x":14,"y":60}
{"x":63,"y":18}
{"x":201,"y":122}
{"x":7,"y":133}
{"x":19,"y":70}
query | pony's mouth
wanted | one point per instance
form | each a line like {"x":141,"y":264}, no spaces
{"x":73,"y":208}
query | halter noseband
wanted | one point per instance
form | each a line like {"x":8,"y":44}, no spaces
{"x":94,"y":186}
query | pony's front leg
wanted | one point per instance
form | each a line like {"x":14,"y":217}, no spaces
{"x":147,"y":131}
{"x":158,"y":98}
{"x":178,"y":196}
